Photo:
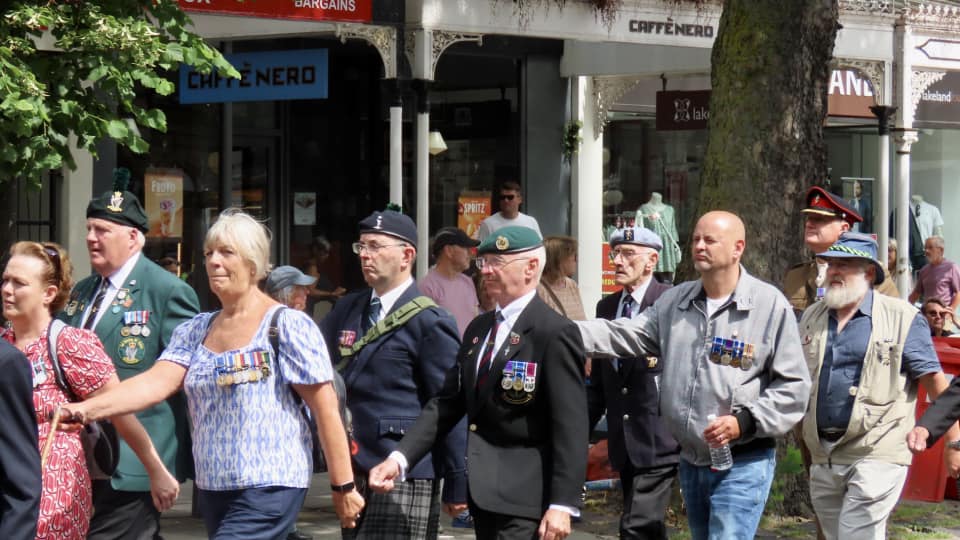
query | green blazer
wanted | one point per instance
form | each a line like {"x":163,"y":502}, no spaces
{"x":168,"y":301}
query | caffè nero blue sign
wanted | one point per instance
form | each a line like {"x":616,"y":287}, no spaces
{"x":264,"y":76}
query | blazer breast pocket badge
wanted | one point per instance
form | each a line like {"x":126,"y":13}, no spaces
{"x":519,"y":382}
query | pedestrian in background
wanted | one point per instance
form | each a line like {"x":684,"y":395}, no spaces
{"x":446,"y":282}
{"x":557,"y":287}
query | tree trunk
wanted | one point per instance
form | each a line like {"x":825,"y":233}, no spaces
{"x":770,"y":69}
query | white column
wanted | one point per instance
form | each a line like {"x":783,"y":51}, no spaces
{"x":423,"y":192}
{"x":75,"y":190}
{"x":587,"y":191}
{"x":396,"y":152}
{"x":905,"y":137}
{"x":881,"y":210}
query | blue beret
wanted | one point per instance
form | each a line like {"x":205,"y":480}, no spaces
{"x":392,"y":223}
{"x":511,"y":239}
{"x":640,"y":236}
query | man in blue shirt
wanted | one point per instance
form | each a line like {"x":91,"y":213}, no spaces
{"x":867,"y":353}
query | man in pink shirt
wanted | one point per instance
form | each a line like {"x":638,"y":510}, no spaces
{"x":446,"y":283}
{"x":939,"y":278}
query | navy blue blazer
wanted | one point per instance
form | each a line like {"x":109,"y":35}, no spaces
{"x":390,"y":381}
{"x":19,"y":454}
{"x":631,"y":391}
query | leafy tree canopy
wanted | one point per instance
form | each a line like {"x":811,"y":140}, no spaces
{"x":77,"y":65}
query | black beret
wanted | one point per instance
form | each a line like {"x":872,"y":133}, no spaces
{"x":120,"y":207}
{"x":392,"y":223}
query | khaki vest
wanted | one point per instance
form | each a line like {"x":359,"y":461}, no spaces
{"x":883,"y":410}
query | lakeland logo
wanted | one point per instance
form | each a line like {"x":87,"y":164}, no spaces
{"x":682,"y":112}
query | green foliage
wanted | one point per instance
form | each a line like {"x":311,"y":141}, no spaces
{"x":790,"y":464}
{"x":96,"y":57}
{"x":571,"y":139}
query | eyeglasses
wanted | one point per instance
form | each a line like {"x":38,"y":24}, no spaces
{"x":937,"y":314}
{"x":495,"y":264}
{"x":54,"y":257}
{"x":507,"y":197}
{"x":626,"y":254}
{"x":373,"y":249}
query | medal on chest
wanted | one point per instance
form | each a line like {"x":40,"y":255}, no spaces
{"x":732,"y":353}
{"x":242,"y":368}
{"x":519,"y":382}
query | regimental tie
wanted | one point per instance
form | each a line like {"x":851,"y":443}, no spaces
{"x":483,"y":368}
{"x":626,"y":311}
{"x":373,"y":314}
{"x":95,"y":306}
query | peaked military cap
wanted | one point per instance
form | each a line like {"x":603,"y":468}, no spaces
{"x":119,"y":206}
{"x":824,"y":203}
{"x":640,"y":236}
{"x":390,"y":222}
{"x":510,"y":239}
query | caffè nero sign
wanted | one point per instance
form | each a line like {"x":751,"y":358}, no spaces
{"x":670,"y":28}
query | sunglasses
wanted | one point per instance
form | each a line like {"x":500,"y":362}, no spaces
{"x":937,"y":314}
{"x":54,"y":257}
{"x":507,"y":197}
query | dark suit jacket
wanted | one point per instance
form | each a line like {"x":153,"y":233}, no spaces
{"x":391,"y":380}
{"x":643,"y":439}
{"x":522,"y":456}
{"x":169,"y":302}
{"x":866,"y":212}
{"x":942,"y":413}
{"x":20,"y":483}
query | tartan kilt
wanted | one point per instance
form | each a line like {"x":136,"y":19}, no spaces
{"x":410,"y":511}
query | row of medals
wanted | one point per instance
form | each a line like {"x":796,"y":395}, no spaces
{"x":514,"y":377}
{"x":135,"y":330}
{"x":731,"y":352}
{"x":243,"y":376}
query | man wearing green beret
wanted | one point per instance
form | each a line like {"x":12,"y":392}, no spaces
{"x":132,"y":305}
{"x":519,"y":380}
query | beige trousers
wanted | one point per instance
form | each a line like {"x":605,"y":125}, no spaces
{"x":853,"y":502}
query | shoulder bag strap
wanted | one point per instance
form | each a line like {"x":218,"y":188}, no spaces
{"x":53,"y":337}
{"x":554,"y":297}
{"x":395,"y":320}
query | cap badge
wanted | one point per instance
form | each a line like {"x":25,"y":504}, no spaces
{"x":502,"y":243}
{"x":628,"y":235}
{"x":378,"y":225}
{"x":115,"y":201}
{"x":816,"y":200}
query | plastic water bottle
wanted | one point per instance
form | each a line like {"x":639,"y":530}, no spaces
{"x":720,"y":457}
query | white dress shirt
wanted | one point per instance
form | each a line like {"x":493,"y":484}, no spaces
{"x":116,"y":279}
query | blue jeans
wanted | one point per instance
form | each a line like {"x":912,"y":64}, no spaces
{"x":266,"y":513}
{"x":727,"y":505}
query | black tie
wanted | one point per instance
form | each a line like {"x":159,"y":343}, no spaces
{"x":95,"y":306}
{"x":626,"y":310}
{"x":483,"y":369}
{"x":373,"y":314}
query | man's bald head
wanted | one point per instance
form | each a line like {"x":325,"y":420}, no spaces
{"x":718,"y":241}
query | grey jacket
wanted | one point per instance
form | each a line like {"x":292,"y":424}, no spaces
{"x":774,"y":389}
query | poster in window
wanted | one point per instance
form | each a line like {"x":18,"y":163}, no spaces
{"x":472,"y":208}
{"x":163,"y":201}
{"x":304,"y":208}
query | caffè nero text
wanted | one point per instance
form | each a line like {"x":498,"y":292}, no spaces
{"x":670,"y":28}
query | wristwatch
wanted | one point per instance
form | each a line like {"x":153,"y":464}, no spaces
{"x":954,"y":445}
{"x":343,"y":488}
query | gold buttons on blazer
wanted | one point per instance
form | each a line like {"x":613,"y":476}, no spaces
{"x":473,"y":427}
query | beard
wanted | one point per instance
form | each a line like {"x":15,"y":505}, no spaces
{"x":853,"y":290}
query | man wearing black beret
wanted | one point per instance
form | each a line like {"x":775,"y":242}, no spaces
{"x":520,"y":384}
{"x":394,"y":347}
{"x":133,"y":305}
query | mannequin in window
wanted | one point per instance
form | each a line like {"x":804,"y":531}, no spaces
{"x":928,"y":217}
{"x":660,"y":217}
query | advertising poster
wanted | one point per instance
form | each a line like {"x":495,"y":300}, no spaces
{"x":163,"y":201}
{"x":472,"y":208}
{"x":304,"y":208}
{"x":607,"y":274}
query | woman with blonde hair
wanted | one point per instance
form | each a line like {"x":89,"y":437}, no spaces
{"x":557,"y":288}
{"x":245,"y":370}
{"x":36,"y":284}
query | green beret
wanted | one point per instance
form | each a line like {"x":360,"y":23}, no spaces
{"x":119,"y":206}
{"x":512,"y":239}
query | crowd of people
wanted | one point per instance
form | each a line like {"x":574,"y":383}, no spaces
{"x":473,"y":398}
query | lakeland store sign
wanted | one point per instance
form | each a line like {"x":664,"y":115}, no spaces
{"x":310,"y":10}
{"x":849,"y":94}
{"x":264,"y":76}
